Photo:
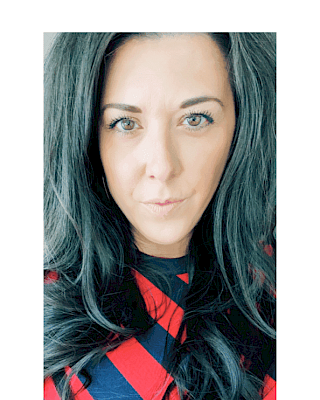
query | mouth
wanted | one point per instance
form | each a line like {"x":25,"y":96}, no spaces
{"x":163,"y":207}
{"x":164,"y":202}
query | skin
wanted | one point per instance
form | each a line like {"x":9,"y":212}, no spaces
{"x":159,"y":152}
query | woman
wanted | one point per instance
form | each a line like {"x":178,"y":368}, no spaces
{"x":159,"y":216}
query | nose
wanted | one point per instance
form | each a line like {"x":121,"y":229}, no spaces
{"x":162,"y":156}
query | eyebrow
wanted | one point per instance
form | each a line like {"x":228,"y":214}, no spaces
{"x":197,"y":100}
{"x":121,"y":106}
{"x":184,"y":104}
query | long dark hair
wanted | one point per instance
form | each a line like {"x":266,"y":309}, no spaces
{"x":89,"y":244}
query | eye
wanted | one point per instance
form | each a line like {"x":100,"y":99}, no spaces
{"x":196,"y":121}
{"x":127,"y":124}
{"x":123,"y":124}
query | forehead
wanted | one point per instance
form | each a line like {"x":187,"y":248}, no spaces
{"x":182,"y":65}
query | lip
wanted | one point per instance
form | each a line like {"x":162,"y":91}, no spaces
{"x":161,"y":202}
{"x":162,"y":208}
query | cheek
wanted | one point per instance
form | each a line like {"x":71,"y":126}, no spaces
{"x":206,"y":165}
{"x":119,"y":168}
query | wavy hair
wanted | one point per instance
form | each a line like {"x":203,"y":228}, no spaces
{"x":89,"y":243}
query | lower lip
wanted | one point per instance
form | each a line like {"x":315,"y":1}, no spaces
{"x":164,"y":210}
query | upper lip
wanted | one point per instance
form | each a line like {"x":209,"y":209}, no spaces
{"x":163,"y":201}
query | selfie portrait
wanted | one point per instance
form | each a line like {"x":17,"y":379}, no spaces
{"x":160,"y":216}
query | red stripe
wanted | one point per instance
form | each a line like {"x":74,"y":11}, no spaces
{"x":184,"y":335}
{"x":138,"y":366}
{"x":269,"y":388}
{"x":158,"y":304}
{"x":174,"y":395}
{"x":184,"y":277}
{"x":271,"y":395}
{"x":268,"y":249}
{"x":50,"y":391}
{"x":50,"y":277}
{"x":77,"y":387}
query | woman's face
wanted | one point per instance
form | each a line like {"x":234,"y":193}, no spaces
{"x":165,"y":134}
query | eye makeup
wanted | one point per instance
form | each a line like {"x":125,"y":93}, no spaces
{"x":112,"y":124}
{"x":206,"y":119}
{"x":194,"y":114}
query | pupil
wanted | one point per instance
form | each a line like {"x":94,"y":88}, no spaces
{"x":127,"y":124}
{"x":194,"y":120}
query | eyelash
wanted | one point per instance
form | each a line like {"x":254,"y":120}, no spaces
{"x":114,"y":121}
{"x":206,"y":114}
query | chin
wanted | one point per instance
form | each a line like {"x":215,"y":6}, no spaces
{"x":165,"y":238}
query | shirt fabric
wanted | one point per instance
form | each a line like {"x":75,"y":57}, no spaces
{"x":137,"y":369}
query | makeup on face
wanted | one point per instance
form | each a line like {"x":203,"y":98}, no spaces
{"x":165,"y":134}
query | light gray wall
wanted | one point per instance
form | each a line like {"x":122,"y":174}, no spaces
{"x":47,"y":41}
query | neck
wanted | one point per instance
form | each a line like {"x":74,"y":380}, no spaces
{"x":172,"y":250}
